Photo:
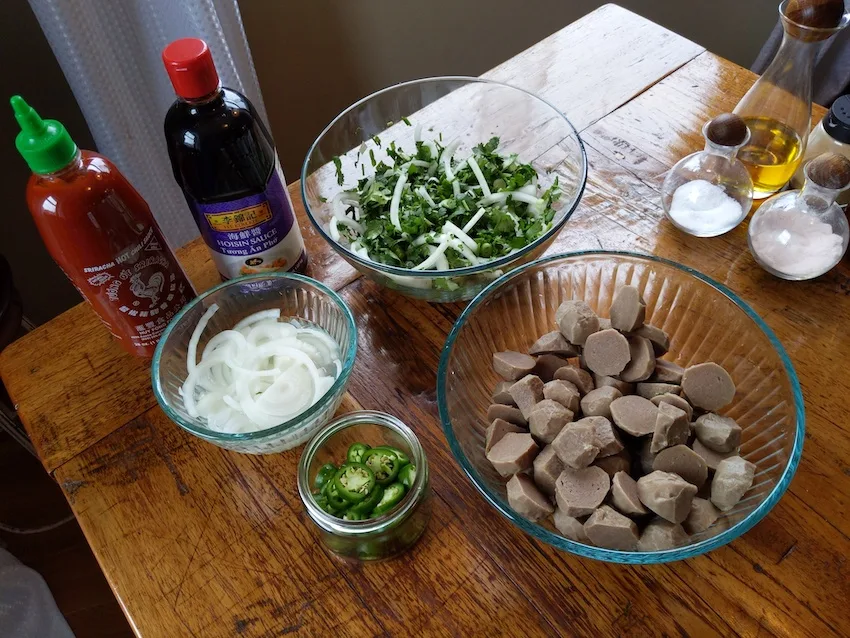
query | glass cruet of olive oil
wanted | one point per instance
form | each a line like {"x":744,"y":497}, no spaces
{"x":778,"y":107}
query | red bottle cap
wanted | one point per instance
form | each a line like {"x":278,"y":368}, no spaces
{"x":191,"y":68}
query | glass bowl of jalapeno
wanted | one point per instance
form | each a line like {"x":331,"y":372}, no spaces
{"x":364,"y":483}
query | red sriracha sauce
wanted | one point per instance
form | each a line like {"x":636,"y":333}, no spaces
{"x":101,"y":233}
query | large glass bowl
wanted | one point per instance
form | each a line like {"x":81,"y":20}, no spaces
{"x":470,"y":110}
{"x":705,"y":321}
{"x":297,"y":297}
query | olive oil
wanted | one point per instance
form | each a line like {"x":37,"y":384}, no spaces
{"x":771,"y":155}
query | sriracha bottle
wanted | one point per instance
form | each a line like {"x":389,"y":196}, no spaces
{"x":225,"y":161}
{"x":101,"y":233}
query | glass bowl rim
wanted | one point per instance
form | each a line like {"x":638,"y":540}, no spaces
{"x":466,"y":270}
{"x":598,"y":553}
{"x":341,"y":380}
{"x":334,"y":525}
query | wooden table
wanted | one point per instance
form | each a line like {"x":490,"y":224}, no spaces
{"x":197,"y":541}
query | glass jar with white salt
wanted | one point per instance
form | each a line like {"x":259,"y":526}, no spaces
{"x":802,"y":234}
{"x":710,"y":192}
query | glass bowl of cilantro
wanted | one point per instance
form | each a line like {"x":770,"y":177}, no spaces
{"x":438,"y":186}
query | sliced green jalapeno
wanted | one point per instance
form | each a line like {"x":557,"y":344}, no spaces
{"x":393,"y":494}
{"x":351,"y":515}
{"x":354,"y":481}
{"x":384,"y":463}
{"x":325,"y":474}
{"x":368,"y":504}
{"x":402,"y":457}
{"x":407,"y":475}
{"x":322,"y":502}
{"x":335,"y":501}
{"x":356,"y":452}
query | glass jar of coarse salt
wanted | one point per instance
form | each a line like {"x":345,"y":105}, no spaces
{"x":710,"y":192}
{"x":802,"y":234}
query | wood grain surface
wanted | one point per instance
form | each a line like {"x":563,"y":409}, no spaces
{"x":198,"y":541}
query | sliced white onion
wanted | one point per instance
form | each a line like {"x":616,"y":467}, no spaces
{"x":192,"y":350}
{"x":476,"y":170}
{"x":433,"y":148}
{"x":259,"y":374}
{"x":515,"y":220}
{"x":340,"y":203}
{"x":424,"y":195}
{"x":471,"y":223}
{"x":452,"y":229}
{"x":431,"y":260}
{"x":323,"y":342}
{"x":348,"y":221}
{"x":442,"y":263}
{"x":396,"y":200}
{"x":457,"y":167}
{"x":517,"y":195}
{"x":424,"y":238}
{"x":463,"y":249}
{"x":274,"y":313}
{"x":196,"y":379}
{"x":447,"y":159}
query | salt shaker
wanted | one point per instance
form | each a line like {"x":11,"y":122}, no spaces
{"x":710,"y":192}
{"x":831,"y":135}
{"x":802,"y":234}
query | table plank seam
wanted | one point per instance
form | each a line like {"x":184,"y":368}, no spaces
{"x":641,"y":92}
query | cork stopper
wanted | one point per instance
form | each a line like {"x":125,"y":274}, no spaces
{"x":829,"y":170}
{"x":818,"y":14}
{"x":727,"y":130}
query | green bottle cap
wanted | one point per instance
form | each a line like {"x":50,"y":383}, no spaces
{"x":44,"y":144}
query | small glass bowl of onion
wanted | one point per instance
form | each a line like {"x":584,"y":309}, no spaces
{"x":257,"y":364}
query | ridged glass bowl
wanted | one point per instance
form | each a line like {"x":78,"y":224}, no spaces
{"x":297,"y":297}
{"x":705,"y":321}
{"x":470,"y":110}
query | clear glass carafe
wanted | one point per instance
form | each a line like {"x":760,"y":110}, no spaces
{"x":778,"y":107}
{"x":710,"y":192}
{"x":801,"y":234}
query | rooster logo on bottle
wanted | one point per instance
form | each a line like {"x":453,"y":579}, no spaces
{"x":148,"y":290}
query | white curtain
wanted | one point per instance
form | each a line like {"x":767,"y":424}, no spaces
{"x":110,"y":52}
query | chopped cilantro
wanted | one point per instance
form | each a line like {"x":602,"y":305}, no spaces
{"x":340,"y":178}
{"x":517,"y":213}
